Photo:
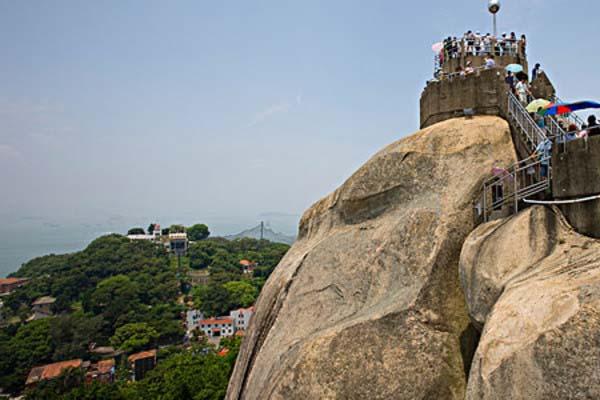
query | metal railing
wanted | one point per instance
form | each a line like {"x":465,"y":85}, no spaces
{"x":553,"y":128}
{"x":528,"y":177}
{"x":507,"y":188}
{"x":531,"y":132}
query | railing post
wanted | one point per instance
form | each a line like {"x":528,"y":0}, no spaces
{"x":515,"y":192}
{"x":484,"y":202}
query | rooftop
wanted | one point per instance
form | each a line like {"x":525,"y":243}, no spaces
{"x":12,"y":281}
{"x":251,"y":309}
{"x":224,"y":351}
{"x":44,"y":300}
{"x":142,"y":355}
{"x":216,"y":321}
{"x":104,"y":366}
{"x":51,"y":371}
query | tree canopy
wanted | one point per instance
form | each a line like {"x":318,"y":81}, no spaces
{"x":112,"y":283}
{"x":198,"y":232}
{"x":134,"y":337}
{"x":126,"y":293}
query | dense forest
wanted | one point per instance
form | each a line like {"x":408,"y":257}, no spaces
{"x":132,"y":295}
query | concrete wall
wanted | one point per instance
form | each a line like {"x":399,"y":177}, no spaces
{"x":576,"y":174}
{"x":542,"y":88}
{"x":485,"y":92}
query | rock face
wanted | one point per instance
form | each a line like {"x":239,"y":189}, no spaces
{"x":367,"y":304}
{"x":487,"y":264}
{"x":535,"y":284}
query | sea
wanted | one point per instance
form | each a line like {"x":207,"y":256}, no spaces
{"x":25,"y":238}
{"x":22,"y":242}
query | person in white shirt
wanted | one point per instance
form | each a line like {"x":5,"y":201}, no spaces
{"x":522,"y":89}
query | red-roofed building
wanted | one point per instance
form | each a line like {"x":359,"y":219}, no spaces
{"x":7,"y":285}
{"x":248,"y":266}
{"x":103,"y":371}
{"x":224,"y":351}
{"x":50,"y":371}
{"x":217,"y":327}
{"x":141,"y":363}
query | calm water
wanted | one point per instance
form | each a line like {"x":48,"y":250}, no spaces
{"x":24,"y":238}
{"x":22,"y":243}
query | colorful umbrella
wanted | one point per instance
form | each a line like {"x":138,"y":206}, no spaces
{"x":567,"y":108}
{"x":535,"y":105}
{"x":437,"y":47}
{"x":514,"y":68}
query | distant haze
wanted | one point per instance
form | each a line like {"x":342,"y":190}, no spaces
{"x":22,"y":239}
{"x":220,"y":112}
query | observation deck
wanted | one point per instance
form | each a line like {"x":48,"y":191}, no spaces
{"x":462,"y":80}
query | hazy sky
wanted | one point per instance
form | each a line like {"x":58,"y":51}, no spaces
{"x":212,"y":109}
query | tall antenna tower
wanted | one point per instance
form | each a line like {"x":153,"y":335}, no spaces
{"x":494,"y":7}
{"x":262,"y":230}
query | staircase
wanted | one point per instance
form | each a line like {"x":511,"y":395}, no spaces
{"x":503,"y":193}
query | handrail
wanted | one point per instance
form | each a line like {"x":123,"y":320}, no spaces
{"x":554,"y":129}
{"x":519,"y":182}
{"x":523,"y":179}
{"x":534,"y":134}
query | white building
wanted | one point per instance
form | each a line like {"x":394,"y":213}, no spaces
{"x":42,"y":308}
{"x":154,"y":235}
{"x":217,"y":327}
{"x":241,"y":318}
{"x":192,"y":319}
{"x":178,"y":243}
{"x":140,"y":237}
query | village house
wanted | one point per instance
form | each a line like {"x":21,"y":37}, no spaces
{"x":241,"y":318}
{"x":155,"y":235}
{"x":238,"y":321}
{"x":50,"y":371}
{"x":198,"y":277}
{"x":192,"y":319}
{"x":7,"y":285}
{"x":141,"y":363}
{"x":248,"y":266}
{"x":42,"y":308}
{"x":178,"y":243}
{"x":103,"y":371}
{"x":104,"y":351}
{"x":217,"y":327}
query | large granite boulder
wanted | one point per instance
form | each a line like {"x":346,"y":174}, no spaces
{"x":535,"y":284}
{"x":367,"y":304}
{"x":498,"y":251}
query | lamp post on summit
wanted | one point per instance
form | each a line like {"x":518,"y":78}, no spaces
{"x":494,"y":7}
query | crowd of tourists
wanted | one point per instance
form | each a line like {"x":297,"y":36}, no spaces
{"x":476,"y":44}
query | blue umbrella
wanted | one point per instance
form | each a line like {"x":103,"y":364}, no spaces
{"x":514,"y":68}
